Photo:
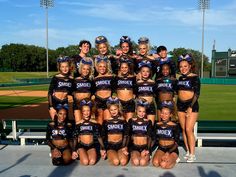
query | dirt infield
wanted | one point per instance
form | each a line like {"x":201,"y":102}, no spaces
{"x":30,"y":111}
{"x":23,"y":93}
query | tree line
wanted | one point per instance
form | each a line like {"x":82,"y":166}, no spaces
{"x":31,"y":58}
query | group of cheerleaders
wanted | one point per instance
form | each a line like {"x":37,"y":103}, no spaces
{"x":123,"y":105}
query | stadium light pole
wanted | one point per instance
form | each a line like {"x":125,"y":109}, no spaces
{"x":203,"y":5}
{"x":46,"y":4}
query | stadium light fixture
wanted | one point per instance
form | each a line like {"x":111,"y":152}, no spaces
{"x":47,"y":4}
{"x":203,"y":5}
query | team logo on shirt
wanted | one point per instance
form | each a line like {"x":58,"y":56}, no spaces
{"x":184,"y":83}
{"x":82,"y":85}
{"x":84,"y":127}
{"x":166,"y":85}
{"x":145,"y":89}
{"x":139,"y":128}
{"x":115,"y":127}
{"x":103,"y":82}
{"x":59,"y":132}
{"x":124,"y":82}
{"x":64,"y":84}
{"x":167,"y":133}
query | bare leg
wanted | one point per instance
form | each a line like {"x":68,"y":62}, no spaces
{"x":135,"y":158}
{"x":158,"y":115}
{"x":92,"y":156}
{"x":157,"y":158}
{"x":100,"y":116}
{"x":152,"y":118}
{"x":128,"y":115}
{"x":113,"y":158}
{"x":169,"y":161}
{"x":190,"y":122}
{"x":67,"y":156}
{"x":106,"y":114}
{"x":84,"y":159}
{"x":123,"y":158}
{"x":78,"y":116}
{"x":144,"y":161}
{"x":182,"y":121}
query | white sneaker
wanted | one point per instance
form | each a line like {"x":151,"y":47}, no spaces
{"x":191,"y":158}
{"x":186,"y":155}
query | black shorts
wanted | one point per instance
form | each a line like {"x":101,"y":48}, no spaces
{"x":114,"y":146}
{"x":57,"y":104}
{"x":166,"y":149}
{"x":151,"y":109}
{"x":182,"y":106}
{"x":59,"y":160}
{"x":138,"y":148}
{"x":128,"y":106}
{"x":85,"y":146}
{"x":101,"y":103}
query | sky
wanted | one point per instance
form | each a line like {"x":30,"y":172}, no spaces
{"x":165,"y":22}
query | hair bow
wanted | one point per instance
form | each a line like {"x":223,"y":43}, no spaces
{"x":86,"y":103}
{"x":113,"y":100}
{"x":144,"y":63}
{"x":125,"y":39}
{"x":186,"y":57}
{"x":87,"y":62}
{"x":63,"y":59}
{"x":100,"y":39}
{"x":62,"y":106}
{"x":167,"y":104}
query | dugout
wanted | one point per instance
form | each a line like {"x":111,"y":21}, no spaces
{"x":224,"y":64}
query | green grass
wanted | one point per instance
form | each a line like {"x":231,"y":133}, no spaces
{"x":218,"y":102}
{"x":14,"y":101}
{"x":10,"y":77}
{"x":31,"y":87}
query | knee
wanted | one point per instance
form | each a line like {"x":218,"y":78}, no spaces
{"x":92,"y":161}
{"x":84,"y":161}
{"x":143,"y":162}
{"x":155,"y":163}
{"x":123,"y":162}
{"x":135,"y":162}
{"x":163,"y":164}
{"x":189,"y":130}
{"x":115,"y":162}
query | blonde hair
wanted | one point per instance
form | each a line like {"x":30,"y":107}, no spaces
{"x":108,"y":66}
{"x":91,"y":72}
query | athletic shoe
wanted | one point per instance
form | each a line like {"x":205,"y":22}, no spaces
{"x":191,"y":158}
{"x":186,"y":155}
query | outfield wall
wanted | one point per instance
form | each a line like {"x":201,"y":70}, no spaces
{"x":223,"y":81}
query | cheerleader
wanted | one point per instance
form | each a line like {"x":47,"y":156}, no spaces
{"x":103,"y":46}
{"x":166,"y":87}
{"x":125,"y":84}
{"x":140,"y":133}
{"x":85,"y":132}
{"x":188,"y":87}
{"x":83,"y":86}
{"x":59,"y":138}
{"x":166,"y":134}
{"x":116,"y":134}
{"x":60,"y":87}
{"x":146,"y":89}
{"x":104,"y":83}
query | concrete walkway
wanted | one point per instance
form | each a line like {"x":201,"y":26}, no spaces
{"x":34,"y":161}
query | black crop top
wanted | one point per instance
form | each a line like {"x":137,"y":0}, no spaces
{"x":191,"y":83}
{"x":83,"y":85}
{"x":60,"y":84}
{"x":87,"y":128}
{"x":143,"y":129}
{"x":104,"y":83}
{"x":145,"y":88}
{"x":158,"y":67}
{"x":166,"y":132}
{"x":122,"y":83}
{"x":58,"y":132}
{"x":115,"y":126}
{"x":166,"y":84}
